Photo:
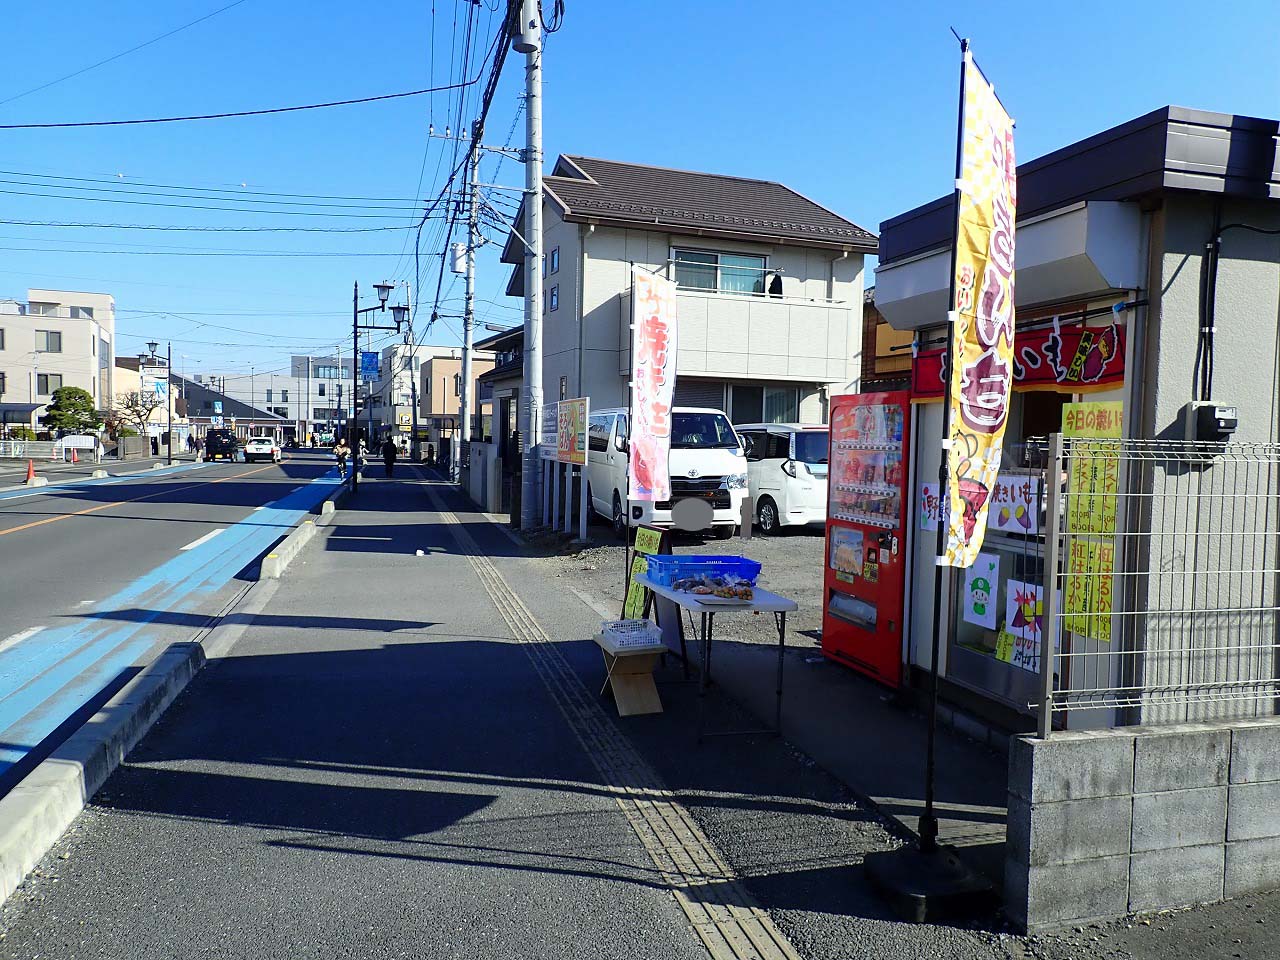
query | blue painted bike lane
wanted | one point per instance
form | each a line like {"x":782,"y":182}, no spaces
{"x":48,"y":677}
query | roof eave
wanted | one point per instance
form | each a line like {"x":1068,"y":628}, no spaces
{"x":852,"y":244}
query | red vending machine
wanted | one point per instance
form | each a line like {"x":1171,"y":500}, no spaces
{"x":866,"y":534}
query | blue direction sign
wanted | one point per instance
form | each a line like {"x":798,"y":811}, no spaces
{"x":217,"y":406}
{"x":368,"y":365}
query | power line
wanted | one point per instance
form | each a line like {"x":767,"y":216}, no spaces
{"x":195,"y":206}
{"x":123,"y":181}
{"x":194,"y":229}
{"x":282,"y":255}
{"x":237,"y":113}
{"x":125,"y":190}
{"x":123,"y":53}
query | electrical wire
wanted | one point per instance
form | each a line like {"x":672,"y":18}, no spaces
{"x":123,"y":53}
{"x":195,"y":229}
{"x":192,"y":206}
{"x":238,"y":113}
{"x":124,"y":182}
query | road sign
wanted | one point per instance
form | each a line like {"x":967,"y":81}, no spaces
{"x":368,"y":365}
{"x":217,"y":406}
{"x":215,"y":420}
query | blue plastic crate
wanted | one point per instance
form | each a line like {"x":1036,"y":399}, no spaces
{"x":665,"y":569}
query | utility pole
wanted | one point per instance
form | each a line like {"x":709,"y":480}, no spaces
{"x":528,"y":40}
{"x":355,"y":379}
{"x":469,"y":314}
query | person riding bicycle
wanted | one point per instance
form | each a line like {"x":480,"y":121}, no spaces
{"x":342,"y":451}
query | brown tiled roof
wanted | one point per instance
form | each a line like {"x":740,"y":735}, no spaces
{"x":631,"y":193}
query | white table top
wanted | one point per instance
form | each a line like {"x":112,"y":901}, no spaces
{"x":763,"y":600}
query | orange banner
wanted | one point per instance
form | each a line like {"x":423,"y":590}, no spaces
{"x":983,"y":319}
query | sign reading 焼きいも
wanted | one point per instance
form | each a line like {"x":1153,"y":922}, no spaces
{"x":1015,"y":505}
{"x":1093,"y":488}
{"x":1072,"y":360}
{"x":982,"y":320}
{"x":571,"y":431}
{"x":653,"y":383}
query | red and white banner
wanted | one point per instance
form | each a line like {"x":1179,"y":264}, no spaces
{"x":653,"y":384}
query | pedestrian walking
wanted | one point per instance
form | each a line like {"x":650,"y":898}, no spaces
{"x":389,"y":453}
{"x":342,"y":451}
{"x":431,"y":454}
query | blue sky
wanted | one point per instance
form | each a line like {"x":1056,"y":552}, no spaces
{"x":852,"y":104}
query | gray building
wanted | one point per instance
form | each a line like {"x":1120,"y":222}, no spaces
{"x":1148,"y":274}
{"x":769,"y":287}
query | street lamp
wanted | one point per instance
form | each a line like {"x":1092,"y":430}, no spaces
{"x":384,"y":292}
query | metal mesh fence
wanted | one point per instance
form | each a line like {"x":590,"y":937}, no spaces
{"x":1162,"y":603}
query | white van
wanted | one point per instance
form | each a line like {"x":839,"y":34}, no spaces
{"x":786,"y":472}
{"x":706,"y":462}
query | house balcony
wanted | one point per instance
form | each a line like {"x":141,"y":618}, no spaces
{"x":753,"y":336}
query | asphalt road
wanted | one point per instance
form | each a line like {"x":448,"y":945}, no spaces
{"x":99,"y":575}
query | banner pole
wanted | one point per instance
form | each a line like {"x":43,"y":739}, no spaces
{"x":929,"y":819}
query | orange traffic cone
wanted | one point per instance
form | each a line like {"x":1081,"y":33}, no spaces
{"x":74,"y":458}
{"x":31,"y":470}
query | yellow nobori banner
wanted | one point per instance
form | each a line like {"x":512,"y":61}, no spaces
{"x":982,"y":321}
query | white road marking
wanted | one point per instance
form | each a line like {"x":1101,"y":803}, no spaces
{"x":17,"y":638}
{"x":205,"y":539}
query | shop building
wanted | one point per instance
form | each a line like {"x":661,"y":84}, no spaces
{"x":769,"y":287}
{"x":1147,"y":279}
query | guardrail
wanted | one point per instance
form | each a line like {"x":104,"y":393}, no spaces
{"x":29,"y":450}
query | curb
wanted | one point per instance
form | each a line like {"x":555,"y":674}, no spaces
{"x":35,"y":814}
{"x":275,"y":562}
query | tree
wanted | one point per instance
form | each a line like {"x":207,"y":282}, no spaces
{"x":136,"y":408}
{"x":72,"y":410}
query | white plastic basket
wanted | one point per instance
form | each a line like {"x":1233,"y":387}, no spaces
{"x":631,"y":634}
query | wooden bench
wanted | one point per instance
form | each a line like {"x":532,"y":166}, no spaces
{"x":629,"y":673}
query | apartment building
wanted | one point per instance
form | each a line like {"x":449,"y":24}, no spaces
{"x":439,"y":396}
{"x":770,"y":287}
{"x":54,"y":339}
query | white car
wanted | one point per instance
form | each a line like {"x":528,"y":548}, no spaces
{"x":705,"y":462}
{"x":787,"y":473}
{"x":261,"y":448}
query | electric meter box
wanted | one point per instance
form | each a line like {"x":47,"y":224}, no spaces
{"x":1210,"y":422}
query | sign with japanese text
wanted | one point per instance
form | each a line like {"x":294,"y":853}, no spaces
{"x":1093,"y":488}
{"x":983,"y":318}
{"x":1074,"y":360}
{"x":571,"y":431}
{"x":653,"y":382}
{"x":550,"y":431}
{"x":1015,"y":505}
{"x":368,"y":366}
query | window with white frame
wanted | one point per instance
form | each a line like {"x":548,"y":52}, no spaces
{"x":46,"y":383}
{"x":555,"y":260}
{"x":81,"y":313}
{"x":49,"y":341}
{"x":42,"y":309}
{"x":555,"y":298}
{"x":719,"y":271}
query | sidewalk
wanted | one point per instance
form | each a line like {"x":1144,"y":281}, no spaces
{"x":408,"y":756}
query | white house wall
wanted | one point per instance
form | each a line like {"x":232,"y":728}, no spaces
{"x":721,"y":336}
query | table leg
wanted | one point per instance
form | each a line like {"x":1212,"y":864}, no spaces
{"x":702,"y":678}
{"x":781,"y":620}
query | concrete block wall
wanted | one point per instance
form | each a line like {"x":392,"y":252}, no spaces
{"x":1109,"y":822}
